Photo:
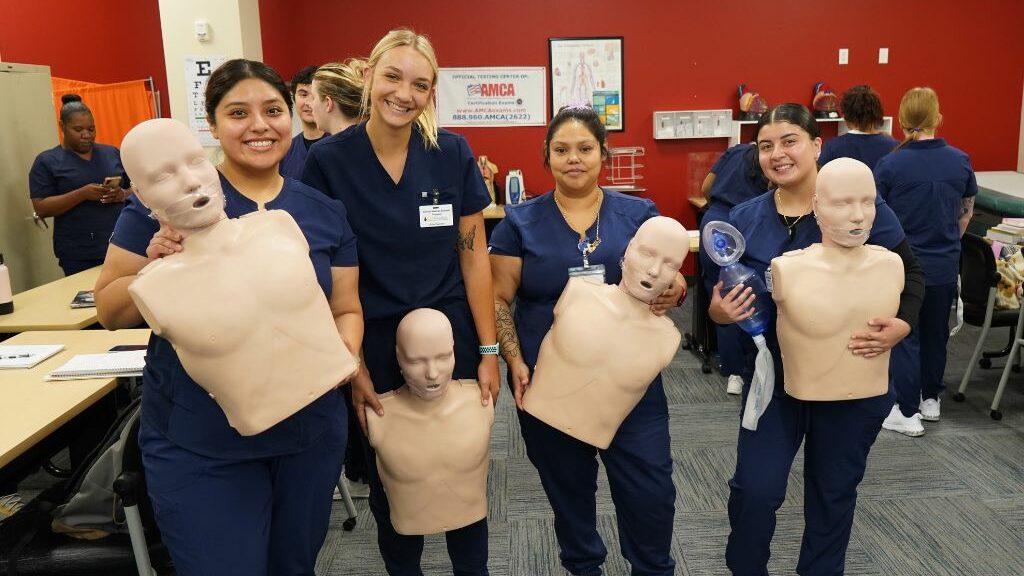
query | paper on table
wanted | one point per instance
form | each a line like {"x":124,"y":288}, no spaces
{"x":26,"y":355}
{"x":100,"y":365}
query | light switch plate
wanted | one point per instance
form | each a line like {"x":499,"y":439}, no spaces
{"x":883,"y":55}
{"x":844,"y":56}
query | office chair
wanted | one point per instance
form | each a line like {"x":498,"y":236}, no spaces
{"x":978,"y":281}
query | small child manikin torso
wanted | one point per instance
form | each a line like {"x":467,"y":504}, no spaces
{"x":433,"y":456}
{"x":251,"y":325}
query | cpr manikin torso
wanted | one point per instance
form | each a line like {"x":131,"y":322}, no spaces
{"x":605,"y":345}
{"x":826,"y":292}
{"x":433,"y":441}
{"x":240,"y":303}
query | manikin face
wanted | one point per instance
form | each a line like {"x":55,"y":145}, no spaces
{"x":574,"y":155}
{"x":787,"y":153}
{"x":79,"y":132}
{"x":304,"y":103}
{"x":172,"y":175}
{"x":426,"y":352}
{"x":844,"y":203}
{"x":653,"y":257}
{"x":403,"y":84}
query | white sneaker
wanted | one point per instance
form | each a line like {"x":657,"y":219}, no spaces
{"x":9,"y":504}
{"x":897,"y":422}
{"x":930,"y":409}
{"x":735,"y":385}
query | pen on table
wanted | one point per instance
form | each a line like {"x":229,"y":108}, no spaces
{"x":15,"y":356}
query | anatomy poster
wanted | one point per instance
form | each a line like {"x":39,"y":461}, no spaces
{"x":588,"y":71}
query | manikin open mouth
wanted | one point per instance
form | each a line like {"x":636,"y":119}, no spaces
{"x":857,"y":232}
{"x":202,"y":201}
{"x":646,"y":284}
{"x":433,"y":386}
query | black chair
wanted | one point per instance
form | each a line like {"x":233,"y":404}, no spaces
{"x":978,"y":281}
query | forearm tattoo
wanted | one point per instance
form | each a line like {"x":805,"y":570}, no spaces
{"x":467,"y":240}
{"x":508,"y":339}
{"x":966,"y":205}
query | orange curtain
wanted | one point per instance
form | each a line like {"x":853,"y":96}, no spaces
{"x":115,"y":107}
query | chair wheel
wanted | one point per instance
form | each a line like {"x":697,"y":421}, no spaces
{"x":985,"y":363}
{"x":349,"y":524}
{"x":996,"y":415}
{"x":705,"y":368}
{"x":958,"y":397}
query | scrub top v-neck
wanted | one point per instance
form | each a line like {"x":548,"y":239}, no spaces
{"x":403,"y":263}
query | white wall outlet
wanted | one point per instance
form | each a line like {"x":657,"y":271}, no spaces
{"x":844,"y":55}
{"x":883,"y":55}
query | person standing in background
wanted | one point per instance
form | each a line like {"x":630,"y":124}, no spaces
{"x":338,"y":94}
{"x":865,"y":141}
{"x":931,"y":187}
{"x":735,"y":178}
{"x":302,"y":93}
{"x":82,"y":185}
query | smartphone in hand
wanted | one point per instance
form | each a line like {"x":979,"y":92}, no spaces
{"x":112,"y":181}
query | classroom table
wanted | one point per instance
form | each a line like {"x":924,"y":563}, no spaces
{"x":32,"y":408}
{"x":48,"y":307}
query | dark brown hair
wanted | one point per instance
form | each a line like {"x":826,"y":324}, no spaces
{"x":230,"y":73}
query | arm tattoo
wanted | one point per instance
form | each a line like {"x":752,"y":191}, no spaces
{"x":966,"y":205}
{"x":466,"y":241}
{"x":507,"y":336}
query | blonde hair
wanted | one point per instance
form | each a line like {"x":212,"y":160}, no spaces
{"x":342,"y":83}
{"x":427,"y":120}
{"x":919,"y":112}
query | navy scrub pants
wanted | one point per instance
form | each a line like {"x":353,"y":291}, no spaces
{"x":75,"y":266}
{"x":467,"y":546}
{"x":919,"y":360}
{"x":639,"y":467}
{"x":837,"y":437}
{"x":253,"y":517}
{"x":730,"y":336}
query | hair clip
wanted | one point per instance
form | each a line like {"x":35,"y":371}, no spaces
{"x":577,"y":105}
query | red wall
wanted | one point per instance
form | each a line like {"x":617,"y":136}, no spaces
{"x":106,"y":41}
{"x":691,"y":55}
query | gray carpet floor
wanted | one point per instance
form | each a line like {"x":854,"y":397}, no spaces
{"x":950,"y":503}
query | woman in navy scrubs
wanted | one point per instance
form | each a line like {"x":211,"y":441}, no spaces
{"x":225,"y":503}
{"x":735,"y":178}
{"x":414,"y":196}
{"x":532,"y":250}
{"x":836,"y":435}
{"x":865,"y":141}
{"x":67,"y":183}
{"x":930,"y":185}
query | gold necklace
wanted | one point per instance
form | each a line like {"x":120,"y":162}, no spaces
{"x":585,"y":246}
{"x":785,"y":219}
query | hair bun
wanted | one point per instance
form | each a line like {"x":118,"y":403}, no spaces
{"x":69,"y":98}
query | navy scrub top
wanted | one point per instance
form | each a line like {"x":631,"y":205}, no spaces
{"x":733,"y":184}
{"x":536,"y":232}
{"x":294,"y":160}
{"x":179,"y":408}
{"x":402,"y":266}
{"x":766,"y":237}
{"x":868,"y":148}
{"x":81,"y":233}
{"x":925,"y":183}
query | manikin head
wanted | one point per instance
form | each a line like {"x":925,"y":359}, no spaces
{"x":653,"y":257}
{"x":844,"y":202}
{"x":426,"y":352}
{"x":171,"y":174}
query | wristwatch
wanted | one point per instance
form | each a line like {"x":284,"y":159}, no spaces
{"x":489,"y":349}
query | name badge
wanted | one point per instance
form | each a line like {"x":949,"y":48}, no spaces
{"x":436,"y":215}
{"x":594,"y":273}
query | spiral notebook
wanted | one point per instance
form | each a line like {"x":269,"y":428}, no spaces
{"x":120,"y":364}
{"x":26,"y":355}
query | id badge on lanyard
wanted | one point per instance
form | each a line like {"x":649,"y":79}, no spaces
{"x":592,"y":273}
{"x":436,"y":215}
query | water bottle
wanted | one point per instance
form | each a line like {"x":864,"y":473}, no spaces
{"x":6,"y":298}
